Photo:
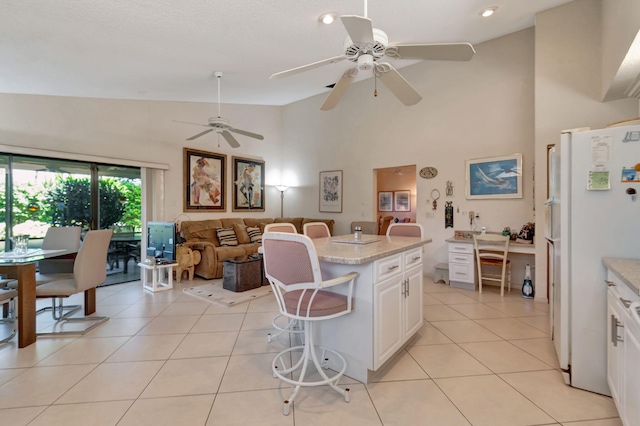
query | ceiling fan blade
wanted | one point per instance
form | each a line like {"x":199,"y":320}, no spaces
{"x":187,"y":122}
{"x":397,"y":84}
{"x":307,"y":67}
{"x":244,"y":132}
{"x":360,"y":29}
{"x":230,"y":139}
{"x":339,"y":89}
{"x":432,"y":52}
{"x":200,"y":134}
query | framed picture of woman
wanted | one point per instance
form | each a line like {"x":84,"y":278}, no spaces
{"x":248,"y":184}
{"x":204,"y":180}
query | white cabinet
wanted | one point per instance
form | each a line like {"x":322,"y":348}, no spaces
{"x":398,"y":303}
{"x":461,"y":266}
{"x":623,"y":349}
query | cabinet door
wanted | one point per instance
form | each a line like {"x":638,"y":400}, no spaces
{"x":413,"y":302}
{"x":631,"y":372}
{"x":614,"y":349}
{"x":388,"y":335}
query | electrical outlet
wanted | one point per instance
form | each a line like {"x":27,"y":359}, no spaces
{"x":431,"y":215}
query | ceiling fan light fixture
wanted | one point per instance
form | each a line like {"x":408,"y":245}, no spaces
{"x":485,"y":13}
{"x":328,"y":18}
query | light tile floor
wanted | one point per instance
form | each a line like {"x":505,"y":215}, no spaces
{"x":168,"y":358}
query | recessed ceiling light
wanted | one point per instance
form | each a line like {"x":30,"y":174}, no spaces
{"x":488,"y":11}
{"x":327,"y":18}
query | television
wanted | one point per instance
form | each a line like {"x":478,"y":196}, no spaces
{"x":161,"y":240}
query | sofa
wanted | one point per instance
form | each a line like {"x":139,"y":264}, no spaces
{"x":206,"y":235}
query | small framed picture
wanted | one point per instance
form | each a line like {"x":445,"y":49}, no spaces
{"x":402,"y":201}
{"x":385,"y":201}
{"x":331,"y":191}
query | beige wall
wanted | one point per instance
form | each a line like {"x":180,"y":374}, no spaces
{"x":568,"y":50}
{"x":144,"y":131}
{"x":620,"y":26}
{"x":474,"y":109}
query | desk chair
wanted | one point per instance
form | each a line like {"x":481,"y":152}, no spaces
{"x":491,"y":250}
{"x":7,"y":297}
{"x":315,"y":230}
{"x":405,"y":230}
{"x":89,"y":271}
{"x":293,"y":326}
{"x":292,"y":267}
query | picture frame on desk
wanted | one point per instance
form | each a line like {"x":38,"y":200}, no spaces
{"x":494,"y":177}
{"x":204,"y":180}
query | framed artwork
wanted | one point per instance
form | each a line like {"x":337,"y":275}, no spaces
{"x":248,"y":184}
{"x":331,"y":191}
{"x":402,"y":201}
{"x":385,"y":201}
{"x":204,"y":180}
{"x":496,"y":177}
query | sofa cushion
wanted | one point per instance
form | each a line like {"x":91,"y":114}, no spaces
{"x":260,"y":222}
{"x":209,"y":235}
{"x":241,"y":233}
{"x":201,"y":230}
{"x":227,"y":237}
{"x":297,"y":222}
{"x":255,"y":235}
{"x":230,"y":252}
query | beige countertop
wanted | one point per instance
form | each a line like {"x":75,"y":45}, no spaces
{"x":344,"y":249}
{"x":628,"y":270}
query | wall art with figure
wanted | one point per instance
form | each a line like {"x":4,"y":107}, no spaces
{"x":248,"y":184}
{"x":496,"y":177}
{"x":331,"y":191}
{"x":204,"y":180}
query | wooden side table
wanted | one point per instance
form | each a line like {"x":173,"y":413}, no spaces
{"x":157,"y":277}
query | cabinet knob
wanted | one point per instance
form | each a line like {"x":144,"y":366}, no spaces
{"x":392,"y":267}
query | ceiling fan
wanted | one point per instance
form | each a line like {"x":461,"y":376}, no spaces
{"x":365,"y":46}
{"x":221,"y":125}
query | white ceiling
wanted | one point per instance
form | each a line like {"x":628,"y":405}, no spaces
{"x":169,"y":49}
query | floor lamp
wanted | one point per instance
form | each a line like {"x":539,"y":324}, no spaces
{"x":281,"y":188}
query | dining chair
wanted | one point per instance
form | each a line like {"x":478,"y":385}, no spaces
{"x":60,"y":238}
{"x":384,"y":224}
{"x":405,"y":230}
{"x":292,"y":326}
{"x":491,"y":251}
{"x":292,"y":267}
{"x":315,"y":230}
{"x":89,"y":271}
{"x":7,"y":297}
{"x":56,"y":238}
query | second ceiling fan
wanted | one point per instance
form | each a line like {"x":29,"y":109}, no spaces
{"x":365,"y":46}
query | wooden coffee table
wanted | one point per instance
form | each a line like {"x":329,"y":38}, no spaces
{"x":243,"y":273}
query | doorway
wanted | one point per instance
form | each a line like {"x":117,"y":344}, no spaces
{"x":396,"y":193}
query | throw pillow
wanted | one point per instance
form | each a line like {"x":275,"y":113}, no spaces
{"x":254,"y":234}
{"x":227,"y":236}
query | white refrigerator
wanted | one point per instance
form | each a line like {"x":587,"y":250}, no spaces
{"x":590,"y":215}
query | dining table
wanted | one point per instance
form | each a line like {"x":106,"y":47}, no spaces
{"x":22,"y":266}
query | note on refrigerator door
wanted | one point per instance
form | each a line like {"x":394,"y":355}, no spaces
{"x":601,"y":149}
{"x":599,"y":180}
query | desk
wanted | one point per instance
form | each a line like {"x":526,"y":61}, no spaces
{"x":23,"y":268}
{"x":462,"y":257}
{"x":387,"y":298}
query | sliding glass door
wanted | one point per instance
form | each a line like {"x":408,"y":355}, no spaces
{"x":44,"y":192}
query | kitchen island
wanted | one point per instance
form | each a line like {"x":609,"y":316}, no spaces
{"x":387,"y":298}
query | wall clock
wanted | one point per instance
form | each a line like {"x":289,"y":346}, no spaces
{"x":428,"y":172}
